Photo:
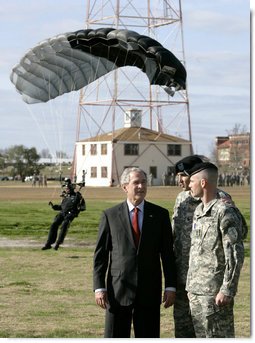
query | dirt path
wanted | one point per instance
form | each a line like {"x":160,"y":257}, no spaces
{"x":13,"y":243}
{"x":6,"y":242}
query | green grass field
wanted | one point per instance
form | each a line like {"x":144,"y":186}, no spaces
{"x":49,"y":293}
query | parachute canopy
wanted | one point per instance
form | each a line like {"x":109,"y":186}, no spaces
{"x":70,"y":61}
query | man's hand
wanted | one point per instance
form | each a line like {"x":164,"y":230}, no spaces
{"x":101,"y":298}
{"x":168,"y":298}
{"x":222,"y":300}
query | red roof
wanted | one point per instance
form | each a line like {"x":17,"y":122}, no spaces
{"x":224,"y":145}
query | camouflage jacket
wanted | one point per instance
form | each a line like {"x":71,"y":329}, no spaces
{"x":182,"y":219}
{"x":184,"y":208}
{"x":217,"y":251}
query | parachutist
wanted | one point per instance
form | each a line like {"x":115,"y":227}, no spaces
{"x":70,"y":207}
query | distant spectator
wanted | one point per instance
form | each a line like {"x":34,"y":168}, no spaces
{"x":34,"y":178}
{"x":44,"y":180}
{"x":164,"y":179}
{"x":40,"y":180}
{"x":150,"y":179}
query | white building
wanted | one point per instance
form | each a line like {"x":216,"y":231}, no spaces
{"x":104,"y":157}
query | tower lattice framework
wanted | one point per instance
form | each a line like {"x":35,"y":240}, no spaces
{"x":103,"y":103}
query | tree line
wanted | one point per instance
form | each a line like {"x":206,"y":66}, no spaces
{"x":24,"y":161}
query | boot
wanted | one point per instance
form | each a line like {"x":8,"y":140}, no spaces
{"x":46,"y":247}
{"x":56,"y":246}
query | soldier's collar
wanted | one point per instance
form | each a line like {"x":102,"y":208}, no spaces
{"x":209,"y":205}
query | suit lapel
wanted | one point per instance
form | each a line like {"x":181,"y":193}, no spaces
{"x":124,"y":218}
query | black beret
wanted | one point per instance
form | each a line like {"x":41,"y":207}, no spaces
{"x":201,"y":166}
{"x":185,"y":164}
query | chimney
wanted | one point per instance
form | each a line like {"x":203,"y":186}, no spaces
{"x":133,"y":118}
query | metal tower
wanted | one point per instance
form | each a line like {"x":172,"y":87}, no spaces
{"x":103,"y":103}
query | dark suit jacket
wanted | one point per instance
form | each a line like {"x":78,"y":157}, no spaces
{"x":134,"y":274}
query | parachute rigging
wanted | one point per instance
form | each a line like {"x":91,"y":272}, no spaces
{"x":70,"y":61}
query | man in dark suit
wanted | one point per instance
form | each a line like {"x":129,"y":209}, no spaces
{"x":128,"y":276}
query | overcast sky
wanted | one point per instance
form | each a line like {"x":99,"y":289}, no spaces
{"x":217,"y":49}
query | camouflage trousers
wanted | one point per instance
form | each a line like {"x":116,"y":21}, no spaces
{"x":210,"y":320}
{"x":183,"y":325}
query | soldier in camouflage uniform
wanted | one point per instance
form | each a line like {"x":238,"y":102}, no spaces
{"x":184,"y":209}
{"x":216,"y":257}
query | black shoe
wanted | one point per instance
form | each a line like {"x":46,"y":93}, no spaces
{"x":46,"y":247}
{"x":56,"y":246}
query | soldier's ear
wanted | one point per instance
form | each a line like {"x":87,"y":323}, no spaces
{"x":203,"y":183}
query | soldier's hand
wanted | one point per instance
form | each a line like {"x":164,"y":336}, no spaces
{"x":222,"y":300}
{"x":168,"y":298}
{"x":101,"y":298}
{"x":50,"y":203}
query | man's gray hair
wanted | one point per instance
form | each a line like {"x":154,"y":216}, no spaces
{"x":125,"y":177}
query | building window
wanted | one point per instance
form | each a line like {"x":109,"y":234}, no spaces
{"x":93,"y":149}
{"x":93,"y":172}
{"x":131,"y":149}
{"x":103,"y":149}
{"x":174,"y":149}
{"x":153,"y":172}
{"x":224,"y":155}
{"x":103,"y":171}
{"x":83,"y":149}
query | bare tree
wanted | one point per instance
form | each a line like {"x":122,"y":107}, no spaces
{"x":237,"y":129}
